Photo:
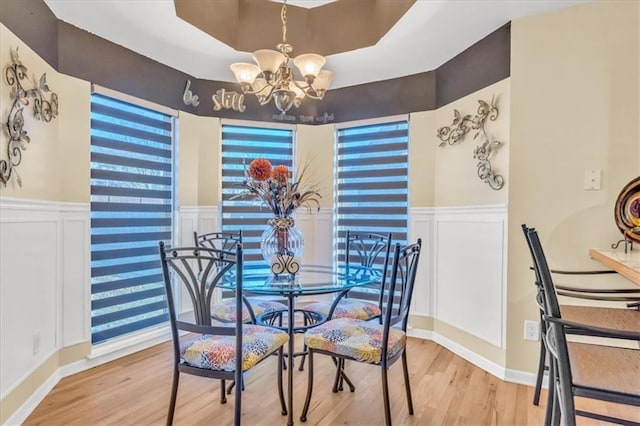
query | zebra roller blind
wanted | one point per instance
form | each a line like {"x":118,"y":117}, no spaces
{"x":131,"y":211}
{"x":371,"y":180}
{"x":243,"y":143}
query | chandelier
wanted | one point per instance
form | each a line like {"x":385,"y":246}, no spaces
{"x":273,"y":79}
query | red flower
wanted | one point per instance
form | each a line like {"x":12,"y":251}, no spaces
{"x":281,"y":173}
{"x":260,"y":169}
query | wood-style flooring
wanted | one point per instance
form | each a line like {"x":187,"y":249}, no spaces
{"x":447,"y":390}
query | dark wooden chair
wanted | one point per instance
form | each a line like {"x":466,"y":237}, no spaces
{"x":220,"y":352}
{"x":225,"y":311}
{"x":593,"y":371}
{"x":369,"y":341}
{"x":623,"y":319}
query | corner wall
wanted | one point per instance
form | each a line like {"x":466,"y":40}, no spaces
{"x":574,"y":107}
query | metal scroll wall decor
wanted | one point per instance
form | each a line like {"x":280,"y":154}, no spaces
{"x":15,"y":75}
{"x":461,"y":125}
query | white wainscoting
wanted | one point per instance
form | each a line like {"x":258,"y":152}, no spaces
{"x":45,"y":276}
{"x":421,"y":226}
{"x":469,"y":270}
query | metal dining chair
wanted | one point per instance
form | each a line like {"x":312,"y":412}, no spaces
{"x":371,"y":342}
{"x":624,"y":319}
{"x":593,"y":371}
{"x":220,"y":352}
{"x":369,"y":250}
{"x":365,"y":249}
{"x":225,"y":311}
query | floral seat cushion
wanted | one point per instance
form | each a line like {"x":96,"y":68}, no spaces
{"x":219,"y":352}
{"x":347,"y":308}
{"x":361,"y":340}
{"x":226,"y":310}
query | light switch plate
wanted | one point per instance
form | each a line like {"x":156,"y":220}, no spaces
{"x":592,"y":180}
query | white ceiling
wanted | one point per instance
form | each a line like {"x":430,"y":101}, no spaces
{"x":429,"y":34}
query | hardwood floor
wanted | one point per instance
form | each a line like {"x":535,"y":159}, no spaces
{"x":447,"y":390}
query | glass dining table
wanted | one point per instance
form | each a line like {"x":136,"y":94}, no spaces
{"x":309,"y":280}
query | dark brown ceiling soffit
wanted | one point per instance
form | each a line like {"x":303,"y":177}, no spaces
{"x":35,"y":24}
{"x":78,"y":53}
{"x":249,"y":25}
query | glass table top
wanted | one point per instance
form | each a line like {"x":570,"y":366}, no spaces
{"x":311,"y":279}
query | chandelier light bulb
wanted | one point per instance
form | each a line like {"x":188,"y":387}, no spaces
{"x":309,"y":64}
{"x":245,"y":73}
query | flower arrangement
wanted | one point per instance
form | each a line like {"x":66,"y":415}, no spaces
{"x":275,"y":188}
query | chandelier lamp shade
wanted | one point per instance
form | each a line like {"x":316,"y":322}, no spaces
{"x":273,"y":78}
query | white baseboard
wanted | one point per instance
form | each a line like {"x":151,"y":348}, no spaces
{"x":97,"y":357}
{"x":21,"y":414}
{"x":508,"y":375}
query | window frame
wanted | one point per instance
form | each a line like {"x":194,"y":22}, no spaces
{"x":172,"y":210}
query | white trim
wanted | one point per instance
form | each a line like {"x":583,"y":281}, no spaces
{"x":258,"y":124}
{"x":12,"y":203}
{"x":508,"y":375}
{"x":198,"y":209}
{"x":28,"y":373}
{"x":486,"y":209}
{"x":371,"y":121}
{"x":423,"y":210}
{"x":130,"y":343}
{"x":25,"y":410}
{"x":132,"y":99}
{"x":524,"y":378}
{"x":93,"y":360}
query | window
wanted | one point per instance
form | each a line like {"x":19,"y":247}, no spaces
{"x":240,"y":145}
{"x":371,"y":182}
{"x":131,"y":211}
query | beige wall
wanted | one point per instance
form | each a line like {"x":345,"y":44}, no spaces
{"x":422,"y":157}
{"x":315,"y":145}
{"x":447,"y":176}
{"x":574,"y":107}
{"x":198,"y":160}
{"x":45,"y":170}
{"x":455,"y":172}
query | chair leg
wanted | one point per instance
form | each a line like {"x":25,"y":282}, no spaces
{"x":385,"y":396}
{"x":223,"y":395}
{"x":307,"y":402}
{"x":304,"y":345}
{"x":174,"y":394}
{"x":407,"y":384}
{"x":336,"y":380}
{"x":232,"y":385}
{"x":543,"y":354}
{"x":548,"y":412}
{"x":237,"y":404}
{"x":341,"y":377}
{"x":283,"y":404}
{"x":340,"y":374}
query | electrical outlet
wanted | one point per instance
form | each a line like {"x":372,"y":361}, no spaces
{"x":531,"y":330}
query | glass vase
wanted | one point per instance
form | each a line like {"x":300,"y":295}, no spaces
{"x":281,"y":237}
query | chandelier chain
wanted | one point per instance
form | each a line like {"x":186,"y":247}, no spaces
{"x":283,"y":16}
